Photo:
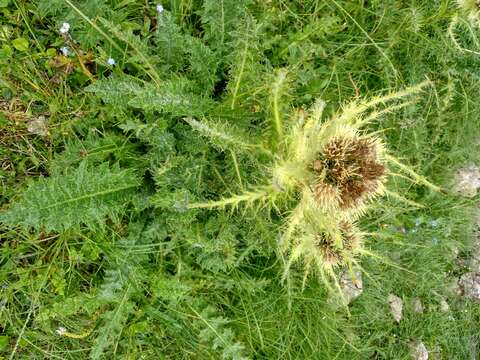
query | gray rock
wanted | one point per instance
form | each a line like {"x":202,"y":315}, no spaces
{"x":38,"y":126}
{"x":396,"y":307}
{"x":417,"y":306}
{"x":469,"y":285}
{"x":418,"y":350}
{"x":467,"y":180}
{"x":352,"y":288}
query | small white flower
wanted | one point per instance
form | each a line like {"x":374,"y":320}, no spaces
{"x":111,"y":61}
{"x":65,"y":51}
{"x":61,"y":331}
{"x":160,"y":8}
{"x":65,"y":28}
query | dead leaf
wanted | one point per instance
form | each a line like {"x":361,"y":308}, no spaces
{"x":467,"y":180}
{"x":396,"y":307}
{"x":418,"y":350}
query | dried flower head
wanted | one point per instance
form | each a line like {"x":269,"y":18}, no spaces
{"x":329,"y":252}
{"x":350,"y":236}
{"x":347,"y":171}
{"x":325,"y":244}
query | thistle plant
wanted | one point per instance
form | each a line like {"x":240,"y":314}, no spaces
{"x":330,"y":170}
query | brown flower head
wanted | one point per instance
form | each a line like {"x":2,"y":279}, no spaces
{"x":330,"y":253}
{"x":333,"y":253}
{"x":350,"y":236}
{"x":347,"y":171}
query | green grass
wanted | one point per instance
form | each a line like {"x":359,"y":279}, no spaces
{"x":96,"y":235}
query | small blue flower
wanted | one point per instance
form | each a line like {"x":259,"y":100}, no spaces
{"x":160,"y":9}
{"x":418,"y":221}
{"x":111,"y":62}
{"x":435,"y":241}
{"x":434,"y":223}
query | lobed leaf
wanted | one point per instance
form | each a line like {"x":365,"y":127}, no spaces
{"x":84,"y":196}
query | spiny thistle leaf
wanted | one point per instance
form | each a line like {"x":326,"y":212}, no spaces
{"x":246,"y":70}
{"x":220,"y":18}
{"x":223,"y":136}
{"x":278,"y":92}
{"x":170,"y":42}
{"x":82,"y":196}
{"x":263,"y":195}
{"x":112,"y":326}
{"x":216,"y":333}
{"x":176,"y":96}
{"x":93,"y":149}
{"x":352,"y":112}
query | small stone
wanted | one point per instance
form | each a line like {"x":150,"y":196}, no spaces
{"x":469,"y":284}
{"x":444,"y":307}
{"x":352,"y":288}
{"x":453,"y":288}
{"x":396,"y":307}
{"x":38,"y":126}
{"x":418,"y":350}
{"x":467,"y":180}
{"x":417,"y":306}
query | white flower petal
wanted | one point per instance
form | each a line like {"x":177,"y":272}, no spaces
{"x":65,"y":28}
{"x":65,"y":51}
